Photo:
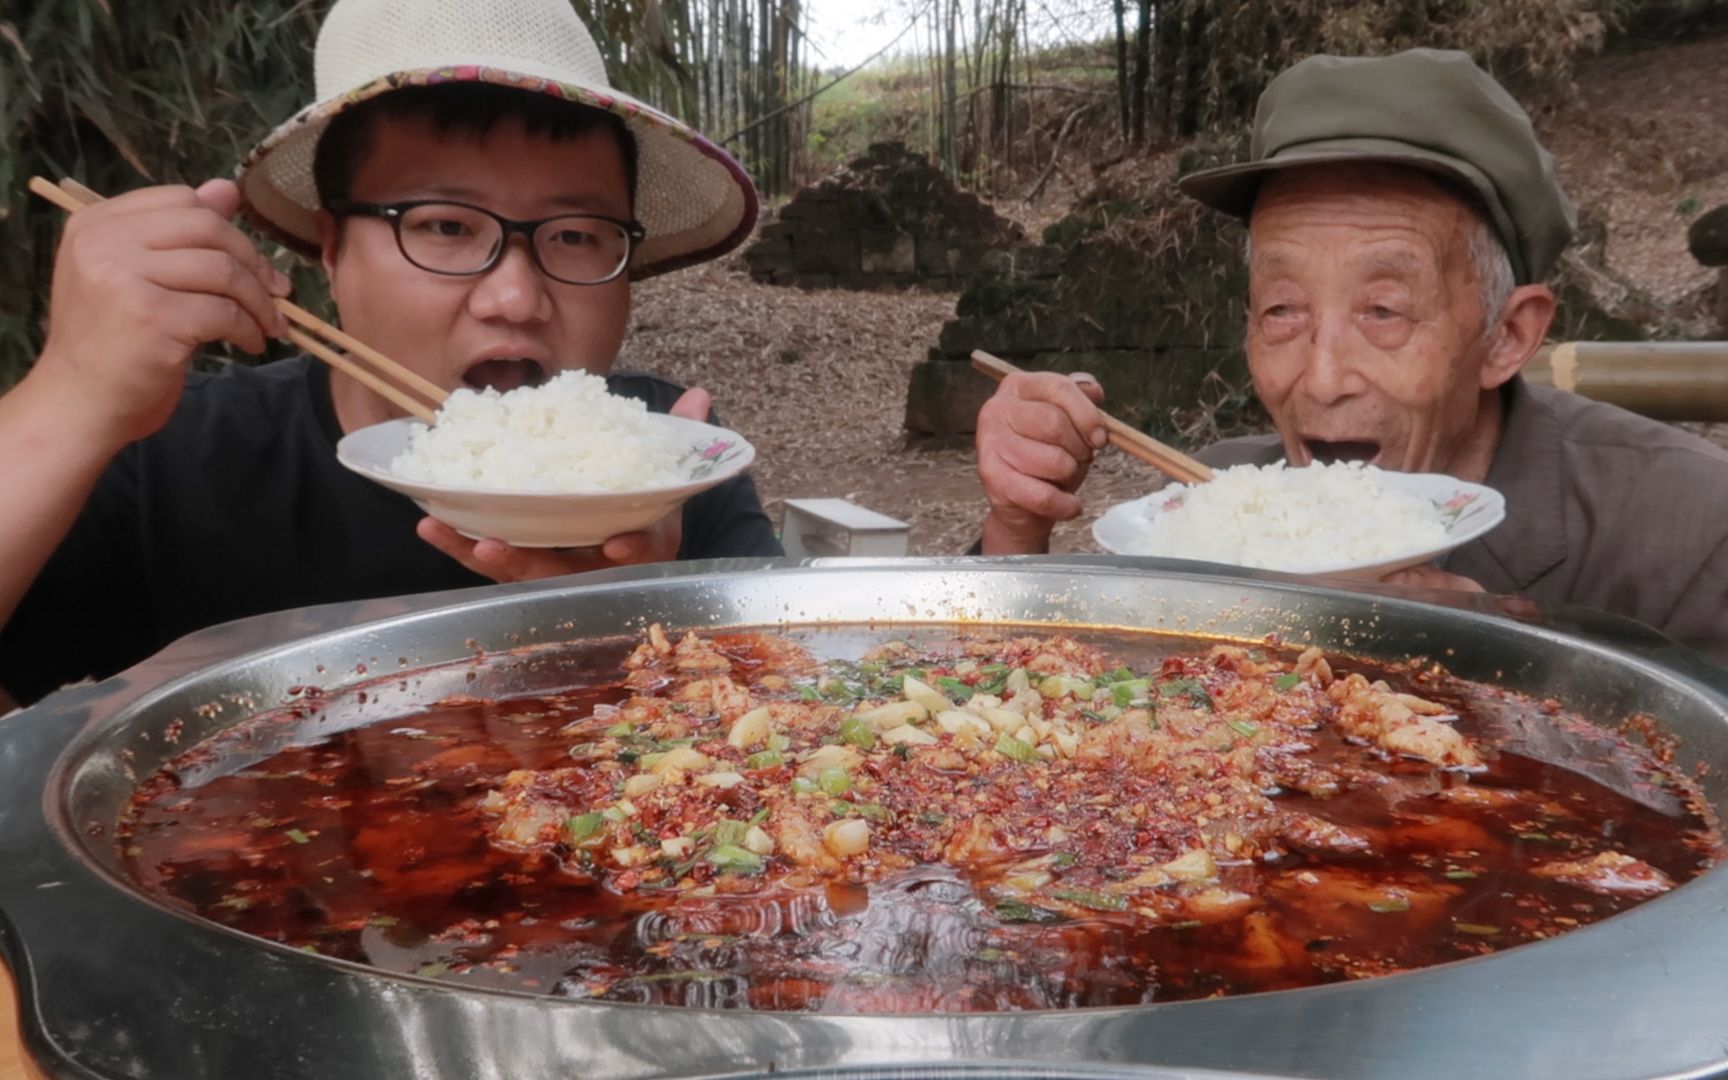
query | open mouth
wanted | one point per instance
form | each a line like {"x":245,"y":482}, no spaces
{"x":505,"y":374}
{"x":1330,"y":452}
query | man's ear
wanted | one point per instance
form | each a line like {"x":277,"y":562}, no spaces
{"x":1520,"y":331}
{"x":329,"y":241}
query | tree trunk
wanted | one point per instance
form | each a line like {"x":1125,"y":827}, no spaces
{"x":1143,"y":67}
{"x":1122,"y":96}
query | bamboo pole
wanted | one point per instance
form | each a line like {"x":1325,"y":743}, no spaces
{"x":1664,"y":380}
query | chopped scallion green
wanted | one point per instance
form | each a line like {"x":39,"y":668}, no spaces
{"x":736,"y":859}
{"x":834,"y":781}
{"x":1389,"y":906}
{"x":1086,"y":898}
{"x":1010,"y":747}
{"x":583,"y":826}
{"x":1287,"y":681}
{"x":765,"y":759}
{"x":858,"y":733}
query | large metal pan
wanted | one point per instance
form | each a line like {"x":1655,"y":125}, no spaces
{"x":115,"y":984}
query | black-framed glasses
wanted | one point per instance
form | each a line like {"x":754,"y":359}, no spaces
{"x":462,"y":240}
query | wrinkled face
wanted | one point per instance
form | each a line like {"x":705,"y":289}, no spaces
{"x":511,"y":325}
{"x":1365,"y":324}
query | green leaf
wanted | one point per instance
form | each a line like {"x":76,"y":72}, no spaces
{"x":765,"y":759}
{"x":729,"y":833}
{"x":620,"y":731}
{"x":1287,"y":681}
{"x":803,"y":785}
{"x":1243,"y":728}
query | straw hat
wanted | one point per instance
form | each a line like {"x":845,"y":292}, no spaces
{"x":694,"y":200}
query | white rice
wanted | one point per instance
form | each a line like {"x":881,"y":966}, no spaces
{"x":1279,"y":518}
{"x":566,"y":435}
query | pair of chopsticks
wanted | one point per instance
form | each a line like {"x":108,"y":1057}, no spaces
{"x":1166,"y":459}
{"x":410,"y":392}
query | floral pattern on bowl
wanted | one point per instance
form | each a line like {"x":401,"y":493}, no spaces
{"x":1467,"y":512}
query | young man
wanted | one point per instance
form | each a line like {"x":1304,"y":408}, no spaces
{"x":480,"y":200}
{"x":1402,"y":219}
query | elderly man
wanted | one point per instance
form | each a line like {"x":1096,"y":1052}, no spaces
{"x":480,"y":200}
{"x":1402,"y":218}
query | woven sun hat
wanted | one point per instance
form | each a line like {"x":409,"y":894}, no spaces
{"x":694,"y":200}
{"x":1429,"y":109}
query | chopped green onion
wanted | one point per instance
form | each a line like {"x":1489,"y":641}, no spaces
{"x":1013,"y":911}
{"x":620,"y":731}
{"x":988,"y":955}
{"x":1536,"y":837}
{"x":298,"y":837}
{"x":840,"y":808}
{"x":1121,"y":674}
{"x":1126,"y":693}
{"x":834,"y":781}
{"x":1243,"y":728}
{"x":803,"y":785}
{"x":1288,"y":681}
{"x":858,"y":733}
{"x":1478,"y":929}
{"x":737,"y":859}
{"x":1095,"y":717}
{"x":903,"y":751}
{"x":808,"y":693}
{"x":1062,"y":860}
{"x":1187,"y":924}
{"x":583,"y":826}
{"x":779,"y":743}
{"x":1010,"y":747}
{"x":873,"y":811}
{"x":613,"y":814}
{"x":759,"y":817}
{"x":729,"y":833}
{"x":931,"y":817}
{"x":956,"y":687}
{"x":1388,"y":907}
{"x":1086,"y":898}
{"x":434,"y":970}
{"x":1460,"y":875}
{"x":765,"y":759}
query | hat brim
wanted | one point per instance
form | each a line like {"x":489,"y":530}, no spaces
{"x":695,"y":202}
{"x":1233,"y":189}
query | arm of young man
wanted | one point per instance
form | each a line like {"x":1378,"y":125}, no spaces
{"x":1036,"y":438}
{"x":140,"y":283}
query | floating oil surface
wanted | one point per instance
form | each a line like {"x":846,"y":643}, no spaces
{"x":369,"y":844}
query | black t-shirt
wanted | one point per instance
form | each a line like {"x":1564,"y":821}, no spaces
{"x":239,"y":507}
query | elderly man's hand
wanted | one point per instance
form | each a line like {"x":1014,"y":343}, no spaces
{"x":1036,"y":438}
{"x":505,"y":563}
{"x":1432,"y":577}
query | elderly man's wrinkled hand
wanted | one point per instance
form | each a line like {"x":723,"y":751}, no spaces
{"x":1036,"y":439}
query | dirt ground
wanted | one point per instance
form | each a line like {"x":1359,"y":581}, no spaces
{"x":817,"y":380}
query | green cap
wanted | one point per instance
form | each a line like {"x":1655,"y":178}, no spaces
{"x":1431,"y":109}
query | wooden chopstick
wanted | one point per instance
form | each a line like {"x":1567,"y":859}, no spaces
{"x":1166,"y":459}
{"x":409,"y":391}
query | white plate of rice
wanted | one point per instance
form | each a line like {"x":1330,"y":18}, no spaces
{"x":1345,"y":519}
{"x":564,"y":464}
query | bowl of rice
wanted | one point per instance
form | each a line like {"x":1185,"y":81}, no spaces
{"x":1345,"y":519}
{"x":563,"y":464}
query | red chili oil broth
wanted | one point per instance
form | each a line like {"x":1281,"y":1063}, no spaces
{"x":369,"y":845}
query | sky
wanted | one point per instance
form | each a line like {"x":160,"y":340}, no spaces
{"x":846,"y":32}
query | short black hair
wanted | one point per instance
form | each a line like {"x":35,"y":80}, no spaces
{"x":463,"y":108}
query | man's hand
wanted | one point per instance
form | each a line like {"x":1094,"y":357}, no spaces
{"x":1432,"y":577}
{"x":504,"y":563}
{"x":1036,"y":438}
{"x":141,"y":281}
